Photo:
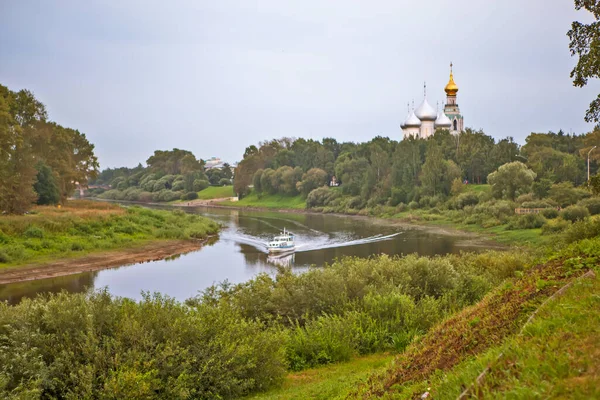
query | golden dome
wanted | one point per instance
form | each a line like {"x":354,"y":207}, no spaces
{"x":451,"y":88}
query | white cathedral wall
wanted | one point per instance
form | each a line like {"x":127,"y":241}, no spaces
{"x":427,"y":128}
{"x":410,"y":132}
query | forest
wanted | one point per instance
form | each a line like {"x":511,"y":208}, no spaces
{"x":41,"y":161}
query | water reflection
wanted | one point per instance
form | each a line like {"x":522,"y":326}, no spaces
{"x":239,"y":253}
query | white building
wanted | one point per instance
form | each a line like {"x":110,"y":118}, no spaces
{"x":423,"y":121}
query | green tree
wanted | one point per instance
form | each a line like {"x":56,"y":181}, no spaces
{"x":585,"y":44}
{"x":312,"y":179}
{"x":46,"y":186}
{"x":510,"y":180}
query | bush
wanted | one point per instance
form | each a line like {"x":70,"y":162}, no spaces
{"x":574,"y":213}
{"x":200,"y":184}
{"x":537,"y":204}
{"x":413,"y":205}
{"x":583,"y":230}
{"x":528,"y":221}
{"x":550,"y":213}
{"x":466,"y":199}
{"x":320,"y":197}
{"x":189,"y":196}
{"x":34,"y":232}
{"x":555,"y":226}
{"x":224,"y":182}
{"x":592,"y":204}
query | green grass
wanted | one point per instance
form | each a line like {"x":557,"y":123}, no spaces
{"x":556,"y":357}
{"x":329,"y":382}
{"x":50,"y":233}
{"x":270,"y":201}
{"x":528,"y":237}
{"x":478,"y":188}
{"x":216,"y":192}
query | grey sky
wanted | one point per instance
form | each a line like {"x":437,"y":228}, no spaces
{"x":216,"y":76}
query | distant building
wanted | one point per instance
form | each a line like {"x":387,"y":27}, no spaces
{"x":333,"y":182}
{"x":213,"y":162}
{"x":423,"y":121}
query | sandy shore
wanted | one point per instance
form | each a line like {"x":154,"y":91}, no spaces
{"x":93,"y":262}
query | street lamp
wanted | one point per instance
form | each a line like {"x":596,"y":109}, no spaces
{"x":588,"y":159}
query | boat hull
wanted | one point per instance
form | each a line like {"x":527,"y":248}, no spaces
{"x":279,"y":250}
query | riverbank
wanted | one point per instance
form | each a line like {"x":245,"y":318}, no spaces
{"x":95,"y":235}
{"x":142,"y":252}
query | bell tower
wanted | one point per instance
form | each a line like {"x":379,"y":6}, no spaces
{"x":451,"y":108}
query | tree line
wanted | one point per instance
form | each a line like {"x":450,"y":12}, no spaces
{"x":40,"y":161}
{"x":169,"y":175}
{"x":387,"y":172}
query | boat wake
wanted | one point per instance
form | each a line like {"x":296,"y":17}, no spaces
{"x":377,"y":238}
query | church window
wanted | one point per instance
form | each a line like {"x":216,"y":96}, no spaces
{"x":455,"y":125}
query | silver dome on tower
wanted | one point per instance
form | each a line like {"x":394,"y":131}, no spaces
{"x":412,"y":121}
{"x":443,"y":121}
{"x":425,"y":112}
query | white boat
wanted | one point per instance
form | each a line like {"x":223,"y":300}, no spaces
{"x":283,"y":243}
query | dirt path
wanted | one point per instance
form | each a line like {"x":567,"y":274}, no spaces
{"x":94,"y":262}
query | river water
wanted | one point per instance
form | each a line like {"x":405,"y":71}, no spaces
{"x":239,"y":253}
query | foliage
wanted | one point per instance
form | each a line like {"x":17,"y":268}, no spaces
{"x":91,"y":226}
{"x":189,"y":196}
{"x":510,"y":180}
{"x":585,"y":44}
{"x":555,"y":226}
{"x":564,"y":194}
{"x":46,"y":186}
{"x":200,"y":184}
{"x":78,"y":345}
{"x":592,"y":204}
{"x":574,"y":213}
{"x":312,"y":179}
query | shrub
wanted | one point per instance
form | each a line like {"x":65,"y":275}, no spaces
{"x":528,"y":221}
{"x":4,"y":258}
{"x":574,"y":213}
{"x":34,"y":232}
{"x":76,"y":246}
{"x":592,"y":204}
{"x":582,"y":230}
{"x":466,"y":199}
{"x":189,"y":196}
{"x":550,"y":213}
{"x":320,"y":197}
{"x":537,"y":204}
{"x":555,"y":226}
{"x":200,"y":184}
{"x":224,"y":182}
{"x":413,"y":205}
{"x":524,"y":198}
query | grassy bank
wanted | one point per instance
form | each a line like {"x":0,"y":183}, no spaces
{"x":334,"y":381}
{"x":275,"y":201}
{"x":216,"y":192}
{"x":81,"y":227}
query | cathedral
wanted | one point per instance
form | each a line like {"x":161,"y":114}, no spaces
{"x":423,"y":121}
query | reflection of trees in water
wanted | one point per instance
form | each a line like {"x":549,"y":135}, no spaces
{"x":78,"y":283}
{"x":251,"y":255}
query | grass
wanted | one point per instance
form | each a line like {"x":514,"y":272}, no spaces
{"x":555,"y":357}
{"x":479,"y":331}
{"x":528,"y":237}
{"x":329,"y":382}
{"x":269,"y":201}
{"x":216,"y":192}
{"x":50,"y":233}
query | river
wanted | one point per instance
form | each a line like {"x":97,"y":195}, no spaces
{"x":239,"y":254}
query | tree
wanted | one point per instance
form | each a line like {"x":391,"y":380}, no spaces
{"x":510,"y":180}
{"x":585,"y":44}
{"x":312,"y":179}
{"x":46,"y":186}
{"x":17,"y":174}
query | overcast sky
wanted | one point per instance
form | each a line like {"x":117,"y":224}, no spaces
{"x":216,"y":76}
